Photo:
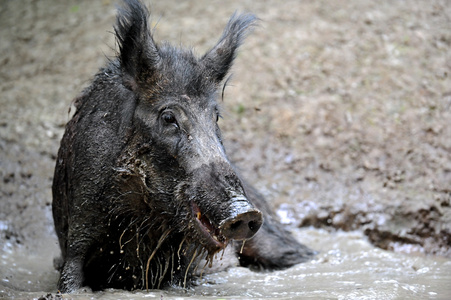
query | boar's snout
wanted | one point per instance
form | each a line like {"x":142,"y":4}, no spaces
{"x":244,"y":221}
{"x":220,"y":208}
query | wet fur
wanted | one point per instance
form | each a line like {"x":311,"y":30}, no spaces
{"x":122,"y":219}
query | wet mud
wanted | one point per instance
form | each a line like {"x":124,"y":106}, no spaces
{"x":338,"y":112}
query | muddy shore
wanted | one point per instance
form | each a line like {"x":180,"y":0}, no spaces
{"x":338,"y":112}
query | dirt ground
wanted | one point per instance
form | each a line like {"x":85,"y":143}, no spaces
{"x":339,"y":111}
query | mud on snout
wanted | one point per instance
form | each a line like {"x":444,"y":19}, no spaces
{"x":218,"y":207}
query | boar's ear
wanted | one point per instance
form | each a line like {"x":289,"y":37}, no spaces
{"x":138,"y":53}
{"x":220,"y":58}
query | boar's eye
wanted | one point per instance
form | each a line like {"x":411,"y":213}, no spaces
{"x":169,"y":118}
{"x":218,"y":115}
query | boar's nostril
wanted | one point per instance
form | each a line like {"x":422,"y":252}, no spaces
{"x":242,"y":226}
{"x":254,"y":226}
{"x":236,"y":225}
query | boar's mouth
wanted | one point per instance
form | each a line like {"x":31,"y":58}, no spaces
{"x":211,"y":236}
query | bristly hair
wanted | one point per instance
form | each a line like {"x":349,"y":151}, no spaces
{"x":226,"y":83}
{"x":241,"y":25}
{"x":220,"y":58}
{"x":140,"y":58}
{"x":137,"y":50}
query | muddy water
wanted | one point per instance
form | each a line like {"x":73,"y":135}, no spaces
{"x":346,"y":267}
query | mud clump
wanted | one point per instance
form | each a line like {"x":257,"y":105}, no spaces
{"x":390,"y":228}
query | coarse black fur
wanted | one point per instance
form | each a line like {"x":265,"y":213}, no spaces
{"x":143,"y":189}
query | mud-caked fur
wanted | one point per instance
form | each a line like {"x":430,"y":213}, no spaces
{"x":143,"y":189}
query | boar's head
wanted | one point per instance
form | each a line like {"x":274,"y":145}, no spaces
{"x":173,"y":181}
